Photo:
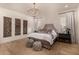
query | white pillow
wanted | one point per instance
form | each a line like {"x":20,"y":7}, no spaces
{"x":54,"y":34}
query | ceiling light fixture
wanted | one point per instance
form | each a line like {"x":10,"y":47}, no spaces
{"x":34,"y":11}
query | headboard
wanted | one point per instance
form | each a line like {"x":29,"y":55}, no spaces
{"x":49,"y":26}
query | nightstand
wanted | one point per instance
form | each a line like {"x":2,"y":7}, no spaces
{"x":64,"y":38}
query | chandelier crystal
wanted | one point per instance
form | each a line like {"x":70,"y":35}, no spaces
{"x":34,"y":11}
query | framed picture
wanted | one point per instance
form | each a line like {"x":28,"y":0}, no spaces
{"x":7,"y":29}
{"x":24,"y":26}
{"x":17,"y":26}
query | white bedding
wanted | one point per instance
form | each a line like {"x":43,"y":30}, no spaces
{"x":43,"y":36}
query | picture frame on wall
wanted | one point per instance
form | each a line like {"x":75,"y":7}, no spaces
{"x":7,"y":29}
{"x":24,"y":26}
{"x":17,"y":26}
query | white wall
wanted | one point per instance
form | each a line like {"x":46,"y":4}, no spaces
{"x":50,"y":15}
{"x":13,"y":15}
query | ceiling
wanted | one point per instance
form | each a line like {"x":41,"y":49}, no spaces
{"x":43,"y":7}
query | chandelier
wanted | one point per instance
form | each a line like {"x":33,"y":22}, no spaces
{"x":34,"y":11}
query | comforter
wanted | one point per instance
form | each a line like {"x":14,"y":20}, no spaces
{"x":44,"y":36}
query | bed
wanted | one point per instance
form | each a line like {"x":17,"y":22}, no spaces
{"x":47,"y":35}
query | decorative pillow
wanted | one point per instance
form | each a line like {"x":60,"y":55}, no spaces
{"x":43,"y":31}
{"x":54,"y":34}
{"x":49,"y":31}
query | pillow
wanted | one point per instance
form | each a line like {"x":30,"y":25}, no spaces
{"x":49,"y":31}
{"x":54,"y":34}
{"x":44,"y":31}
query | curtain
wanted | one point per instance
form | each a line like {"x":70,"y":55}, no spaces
{"x":67,"y":20}
{"x":71,"y":24}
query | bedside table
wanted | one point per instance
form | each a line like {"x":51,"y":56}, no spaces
{"x":64,"y":38}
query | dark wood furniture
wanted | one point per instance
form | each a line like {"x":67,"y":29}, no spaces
{"x":64,"y":38}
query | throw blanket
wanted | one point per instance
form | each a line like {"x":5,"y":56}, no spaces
{"x":44,"y":36}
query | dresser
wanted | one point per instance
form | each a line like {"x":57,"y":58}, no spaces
{"x":64,"y":38}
